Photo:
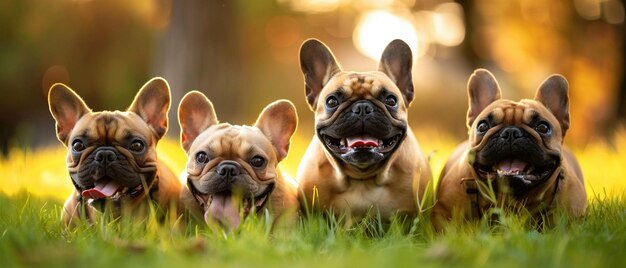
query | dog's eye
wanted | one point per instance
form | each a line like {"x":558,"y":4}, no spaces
{"x":202,"y":158}
{"x":257,"y":161}
{"x":543,"y":128}
{"x":483,"y":126}
{"x":391,"y":101}
{"x":78,"y":146}
{"x":137,"y":146}
{"x":332,"y":102}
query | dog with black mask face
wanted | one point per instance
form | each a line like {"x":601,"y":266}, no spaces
{"x":112,"y":158}
{"x":364,"y":157}
{"x":515,"y":152}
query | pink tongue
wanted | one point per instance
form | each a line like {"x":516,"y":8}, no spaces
{"x":363,"y":141}
{"x":101,"y":190}
{"x":225,"y":209}
{"x":512,"y":165}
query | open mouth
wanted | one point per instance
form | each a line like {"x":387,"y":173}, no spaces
{"x":516,"y":171}
{"x":224,"y":207}
{"x":363,"y":141}
{"x":108,"y":188}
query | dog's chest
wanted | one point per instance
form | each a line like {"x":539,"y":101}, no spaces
{"x":361,"y":198}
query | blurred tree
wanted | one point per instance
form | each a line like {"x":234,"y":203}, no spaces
{"x":101,"y":49}
{"x":467,"y":47}
{"x":200,"y":51}
{"x":621,"y":105}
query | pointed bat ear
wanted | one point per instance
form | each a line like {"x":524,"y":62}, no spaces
{"x":396,"y":62}
{"x":553,"y":93}
{"x":67,"y":108}
{"x":278,"y":122}
{"x":152,"y":103}
{"x":318,"y":65}
{"x":482,"y":90}
{"x":195,"y":114}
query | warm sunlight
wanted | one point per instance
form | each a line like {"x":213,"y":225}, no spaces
{"x":368,"y":195}
{"x":449,"y":29}
{"x":377,"y":28}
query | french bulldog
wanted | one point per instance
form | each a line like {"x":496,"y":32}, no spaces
{"x":232,"y":170}
{"x":111,"y":155}
{"x":364,"y":158}
{"x":514,"y":157}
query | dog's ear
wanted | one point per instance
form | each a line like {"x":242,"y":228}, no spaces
{"x":66,"y":107}
{"x":278,"y":122}
{"x":318,"y":65}
{"x":482,"y":90}
{"x":195,"y":114}
{"x":396,"y":62}
{"x":152,"y":103}
{"x":553,"y":93}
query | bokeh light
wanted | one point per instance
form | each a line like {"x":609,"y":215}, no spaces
{"x":376,"y":29}
{"x":448,"y":25}
{"x":312,"y":6}
{"x":246,"y":55}
{"x":612,"y":11}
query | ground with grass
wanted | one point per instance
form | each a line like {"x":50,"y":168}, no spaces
{"x":34,"y":184}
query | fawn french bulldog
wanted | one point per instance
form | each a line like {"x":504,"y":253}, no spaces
{"x":111,"y":155}
{"x":232,"y":170}
{"x":364,"y":157}
{"x":517,"y":148}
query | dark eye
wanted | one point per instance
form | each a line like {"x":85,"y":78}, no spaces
{"x":78,"y":146}
{"x":543,"y":128}
{"x":137,"y":146}
{"x":202,"y":158}
{"x":391,"y":101}
{"x":332,"y":102}
{"x":483,"y":126}
{"x":257,"y":161}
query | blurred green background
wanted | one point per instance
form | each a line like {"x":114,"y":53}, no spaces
{"x":244,"y":54}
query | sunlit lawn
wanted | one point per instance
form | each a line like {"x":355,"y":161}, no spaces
{"x":34,"y":184}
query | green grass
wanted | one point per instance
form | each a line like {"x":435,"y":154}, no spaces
{"x":31,"y":235}
{"x":34,"y":183}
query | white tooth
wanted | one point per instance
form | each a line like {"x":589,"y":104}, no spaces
{"x":343,"y":142}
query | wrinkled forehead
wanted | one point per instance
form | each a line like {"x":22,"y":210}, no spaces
{"x":360,"y":84}
{"x":107,"y":126}
{"x":511,"y":113}
{"x":232,"y":141}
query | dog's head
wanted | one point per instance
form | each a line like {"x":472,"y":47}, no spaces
{"x":516,"y":143}
{"x":233,"y":169}
{"x":360,"y":117}
{"x":111,"y":154}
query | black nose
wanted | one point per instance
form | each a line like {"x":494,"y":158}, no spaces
{"x":362,"y":108}
{"x":105,"y":156}
{"x":227,"y":170}
{"x":511,"y":133}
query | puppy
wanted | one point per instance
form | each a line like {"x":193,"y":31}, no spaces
{"x":364,"y":157}
{"x":233,"y":170}
{"x":516,"y":148}
{"x":112,"y":158}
